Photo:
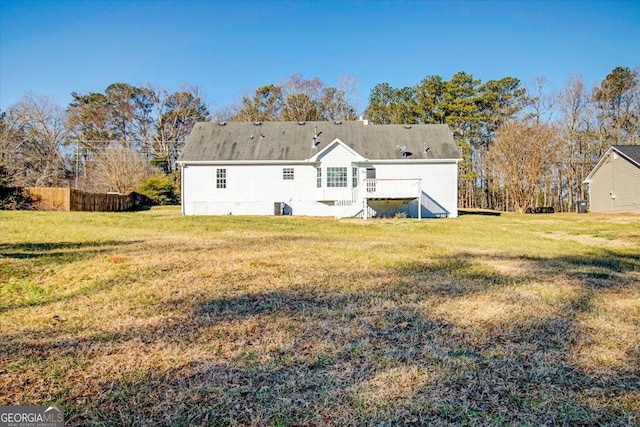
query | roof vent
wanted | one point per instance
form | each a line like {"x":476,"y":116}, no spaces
{"x":257,"y":123}
{"x":338,"y":122}
{"x":262,"y":136}
{"x":222,"y":123}
{"x":316,"y":135}
{"x":301,"y":123}
{"x":403,"y":150}
{"x":426,"y":149}
{"x":407,"y":126}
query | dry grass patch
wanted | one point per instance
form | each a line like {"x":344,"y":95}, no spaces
{"x":158,"y":319}
{"x":394,"y":386}
{"x":609,"y":241}
{"x":608,"y":344}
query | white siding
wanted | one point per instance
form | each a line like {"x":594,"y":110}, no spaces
{"x":335,"y":156}
{"x":251,"y":190}
{"x":254,"y":189}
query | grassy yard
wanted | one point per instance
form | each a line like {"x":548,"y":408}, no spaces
{"x":151,"y":318}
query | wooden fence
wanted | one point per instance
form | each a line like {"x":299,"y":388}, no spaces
{"x":67,"y":199}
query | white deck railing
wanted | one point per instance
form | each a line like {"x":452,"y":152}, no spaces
{"x":391,"y":188}
{"x":357,"y":205}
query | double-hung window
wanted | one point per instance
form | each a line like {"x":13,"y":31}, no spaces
{"x":221,"y":178}
{"x":319,"y":177}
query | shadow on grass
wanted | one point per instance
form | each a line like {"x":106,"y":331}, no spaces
{"x":604,"y":268}
{"x":23,"y":260}
{"x":61,"y":250}
{"x":382,"y":356}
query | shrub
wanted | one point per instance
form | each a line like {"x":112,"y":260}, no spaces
{"x":160,"y":189}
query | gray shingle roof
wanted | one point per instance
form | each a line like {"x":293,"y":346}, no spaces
{"x":238,"y":141}
{"x":630,"y":151}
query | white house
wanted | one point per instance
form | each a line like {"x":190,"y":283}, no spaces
{"x":614,"y":183}
{"x":342,"y":169}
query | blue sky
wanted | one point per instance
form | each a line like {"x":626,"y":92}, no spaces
{"x":230,"y":48}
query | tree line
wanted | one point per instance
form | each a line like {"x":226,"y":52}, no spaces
{"x":104,"y":141}
{"x":520,"y":146}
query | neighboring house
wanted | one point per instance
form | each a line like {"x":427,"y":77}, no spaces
{"x":342,"y":169}
{"x":614,"y":183}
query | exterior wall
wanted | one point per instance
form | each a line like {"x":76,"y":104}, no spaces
{"x":254,"y":189}
{"x":336,"y":156}
{"x":251,"y":190}
{"x":615,"y":186}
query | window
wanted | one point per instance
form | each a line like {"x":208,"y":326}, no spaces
{"x":354,"y":177}
{"x":287,"y":173}
{"x":371,"y":180}
{"x":221,"y":178}
{"x":319,"y":177}
{"x":336,"y":177}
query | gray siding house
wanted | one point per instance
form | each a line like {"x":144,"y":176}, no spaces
{"x":614,"y":183}
{"x":350,"y":169}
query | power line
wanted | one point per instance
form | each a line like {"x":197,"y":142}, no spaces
{"x":123,"y":142}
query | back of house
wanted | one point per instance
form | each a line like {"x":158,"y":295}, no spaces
{"x":341,"y":169}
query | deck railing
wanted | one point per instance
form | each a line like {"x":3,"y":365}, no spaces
{"x":376,"y":189}
{"x":391,"y":188}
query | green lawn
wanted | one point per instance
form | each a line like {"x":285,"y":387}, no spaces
{"x":151,"y":318}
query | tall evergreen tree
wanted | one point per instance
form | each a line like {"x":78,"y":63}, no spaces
{"x":618,"y":101}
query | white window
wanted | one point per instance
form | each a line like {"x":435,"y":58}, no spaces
{"x":287,"y":174}
{"x":221,"y":178}
{"x":336,"y":177}
{"x":354,"y":177}
{"x":319,"y":177}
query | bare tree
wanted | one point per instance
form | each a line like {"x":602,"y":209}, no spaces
{"x":225,"y":113}
{"x":334,"y":106}
{"x":520,"y":157}
{"x":116,"y":169}
{"x":577,"y":135}
{"x":349,"y":87}
{"x":302,"y":98}
{"x":175,"y":115}
{"x":10,"y":140}
{"x":540,"y":100}
{"x":297,"y":99}
{"x":265,"y":105}
{"x":32,"y":139}
{"x":299,"y":106}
